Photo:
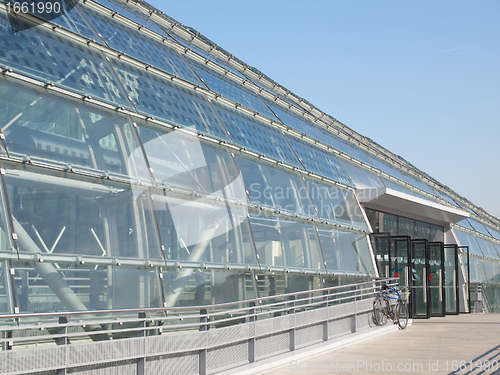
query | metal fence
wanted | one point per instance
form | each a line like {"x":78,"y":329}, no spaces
{"x":182,"y":340}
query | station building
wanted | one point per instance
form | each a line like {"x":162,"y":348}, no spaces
{"x":143,"y":166}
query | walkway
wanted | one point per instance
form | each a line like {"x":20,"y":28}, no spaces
{"x":434,"y":346}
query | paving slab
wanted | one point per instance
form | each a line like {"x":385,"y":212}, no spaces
{"x":455,"y":344}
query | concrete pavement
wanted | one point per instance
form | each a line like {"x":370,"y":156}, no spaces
{"x":435,"y":346}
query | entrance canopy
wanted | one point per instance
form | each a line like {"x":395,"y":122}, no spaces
{"x":398,"y":203}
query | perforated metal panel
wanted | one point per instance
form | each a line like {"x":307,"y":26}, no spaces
{"x":339,"y":327}
{"x":111,"y":368}
{"x":172,"y":365}
{"x":104,"y":351}
{"x":338,"y":311}
{"x":311,"y":316}
{"x":272,"y":345}
{"x":20,"y":361}
{"x":364,"y":321}
{"x":227,"y":335}
{"x":176,"y":342}
{"x":308,"y":335}
{"x":271,"y":325}
{"x":227,"y":357}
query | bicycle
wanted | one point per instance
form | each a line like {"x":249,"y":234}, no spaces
{"x":383,"y":309}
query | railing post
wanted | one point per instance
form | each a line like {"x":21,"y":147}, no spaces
{"x":291,"y":310}
{"x":353,"y":316}
{"x":63,"y":330}
{"x":202,"y":356}
{"x":325,"y":323}
{"x":251,"y":340}
{"x":141,"y":362}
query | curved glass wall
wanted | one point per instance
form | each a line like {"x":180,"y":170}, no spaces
{"x":170,"y":206}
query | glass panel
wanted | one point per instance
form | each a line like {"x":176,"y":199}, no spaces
{"x":450,"y":279}
{"x":6,"y":296}
{"x":467,"y":239}
{"x":419,"y":184}
{"x":298,"y":124}
{"x":399,"y":260}
{"x":132,"y":14}
{"x":373,"y":219}
{"x":62,"y":286}
{"x":492,"y":271}
{"x":230,"y":89}
{"x":422,"y":230}
{"x":197,"y":287}
{"x":197,"y":230}
{"x":54,"y":215}
{"x":50,"y":129}
{"x":390,"y":170}
{"x":184,"y":162}
{"x":141,"y":47}
{"x":419,"y":277}
{"x":320,"y":161}
{"x":346,"y":252}
{"x":380,"y":244}
{"x":54,"y":58}
{"x":362,"y":178}
{"x":158,"y":97}
{"x":337,"y":205}
{"x":70,"y":18}
{"x":487,"y":247}
{"x":465,"y":223}
{"x":445,"y":197}
{"x":494,"y":233}
{"x":276,"y":189}
{"x":286,"y":243}
{"x":479,"y":227}
{"x":256,"y":136}
{"x":477,"y":274}
{"x":437,"y":233}
{"x":406,"y":227}
{"x":388,"y":224}
{"x":350,"y":150}
{"x":436,"y":278}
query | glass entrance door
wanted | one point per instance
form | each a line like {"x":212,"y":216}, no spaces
{"x":464,"y":287}
{"x":419,"y":279}
{"x":382,"y":248}
{"x":436,"y":279}
{"x":451,"y":279}
{"x":400,"y":246}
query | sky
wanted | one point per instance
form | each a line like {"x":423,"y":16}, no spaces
{"x":421,"y":78}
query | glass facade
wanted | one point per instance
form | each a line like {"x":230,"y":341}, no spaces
{"x":139,"y":171}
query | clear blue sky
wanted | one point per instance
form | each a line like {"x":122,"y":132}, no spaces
{"x":421,"y":78}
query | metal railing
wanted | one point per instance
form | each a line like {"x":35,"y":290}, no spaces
{"x":195,"y":339}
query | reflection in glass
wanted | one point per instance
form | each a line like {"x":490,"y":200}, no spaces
{"x":286,"y":243}
{"x":136,"y":44}
{"x":487,"y":247}
{"x":197,"y":287}
{"x":362,"y":177}
{"x":346,"y":252}
{"x":450,"y":279}
{"x":336,"y":204}
{"x":276,"y":189}
{"x":218,"y":83}
{"x":319,"y":161}
{"x":54,"y":58}
{"x":184,"y":162}
{"x":155,"y":96}
{"x":198,"y":230}
{"x":467,"y":239}
{"x":6,"y":295}
{"x":61,"y":286}
{"x":55,"y":215}
{"x":50,"y":129}
{"x":252,"y":134}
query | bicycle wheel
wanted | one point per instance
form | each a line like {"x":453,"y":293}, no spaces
{"x":380,"y":309}
{"x":402,"y":314}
